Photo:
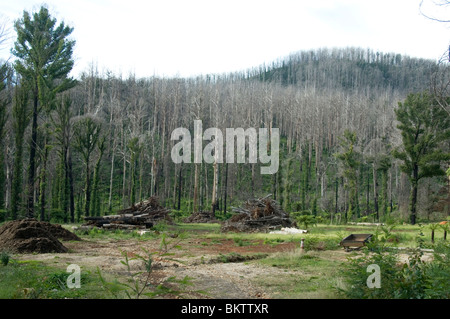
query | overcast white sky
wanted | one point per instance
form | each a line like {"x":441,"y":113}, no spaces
{"x":191,"y":37}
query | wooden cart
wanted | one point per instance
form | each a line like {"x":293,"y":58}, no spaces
{"x":355,"y":241}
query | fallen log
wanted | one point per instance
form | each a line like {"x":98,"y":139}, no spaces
{"x":144,"y":214}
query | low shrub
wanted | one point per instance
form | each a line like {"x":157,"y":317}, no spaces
{"x":4,"y":258}
{"x":416,"y":279}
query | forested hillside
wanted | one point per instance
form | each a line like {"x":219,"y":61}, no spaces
{"x":103,"y":141}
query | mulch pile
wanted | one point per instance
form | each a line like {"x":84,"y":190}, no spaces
{"x":260,"y":214}
{"x":32,"y":236}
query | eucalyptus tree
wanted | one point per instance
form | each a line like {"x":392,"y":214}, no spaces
{"x":95,"y":202}
{"x":349,"y":157}
{"x":62,"y":123}
{"x":134,"y":148}
{"x":4,"y":101}
{"x":87,"y":133}
{"x":44,"y":59}
{"x":20,"y":118}
{"x":425,"y":130}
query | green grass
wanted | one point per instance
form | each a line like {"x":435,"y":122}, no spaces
{"x":302,"y":275}
{"x":312,"y":273}
{"x":197,"y":227}
{"x":322,"y":235}
{"x":33,"y":279}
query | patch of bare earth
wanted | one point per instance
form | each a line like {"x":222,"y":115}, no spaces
{"x":218,"y":279}
{"x":198,"y":259}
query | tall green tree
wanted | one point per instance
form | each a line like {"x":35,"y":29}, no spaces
{"x":350,"y":161}
{"x":86,"y":136}
{"x":63,"y":134}
{"x":134,"y":148}
{"x":425,"y":128}
{"x":384,"y":166}
{"x":45,"y":150}
{"x":95,"y":202}
{"x":21,"y":119}
{"x":44,"y":59}
{"x":4,"y":100}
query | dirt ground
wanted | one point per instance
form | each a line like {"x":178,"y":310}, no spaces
{"x":197,"y":258}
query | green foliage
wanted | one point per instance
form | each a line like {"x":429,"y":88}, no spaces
{"x":57,"y":216}
{"x":383,"y":237}
{"x":33,"y":279}
{"x":355,"y":276}
{"x":304,"y":218}
{"x":416,"y":279}
{"x":44,"y":52}
{"x":4,"y":75}
{"x":236,"y":257}
{"x":87,"y":136}
{"x":424,"y":127}
{"x":273,"y":241}
{"x":433,"y":227}
{"x":438,"y":273}
{"x":144,"y":283}
{"x":3,"y":214}
{"x":4,"y":258}
{"x":134,"y":148}
{"x":321,"y":243}
{"x":350,"y":159}
{"x":44,"y":60}
{"x":239,"y":241}
{"x":445,"y":227}
{"x":95,"y":203}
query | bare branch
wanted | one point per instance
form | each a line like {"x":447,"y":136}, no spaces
{"x":441,"y":4}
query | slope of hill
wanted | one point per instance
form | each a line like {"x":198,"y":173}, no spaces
{"x":353,"y":69}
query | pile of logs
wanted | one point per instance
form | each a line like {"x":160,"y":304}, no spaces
{"x":261,"y":214}
{"x":139,"y":216}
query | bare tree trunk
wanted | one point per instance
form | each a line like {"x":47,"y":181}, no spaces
{"x":225,"y":187}
{"x":124,"y":180}
{"x":87,"y":197}
{"x":111,"y":182}
{"x":153,"y":179}
{"x":43,"y":179}
{"x":336,"y":210}
{"x":415,"y":183}
{"x":71,"y":191}
{"x":195,"y":206}
{"x":179,"y":186}
{"x":214,"y":189}
{"x":375,"y":191}
{"x":174,"y":193}
{"x":368,"y":192}
{"x":31,"y":167}
{"x":252,"y":192}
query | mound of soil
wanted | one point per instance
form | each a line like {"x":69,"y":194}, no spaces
{"x":32,"y":236}
{"x":59,"y":232}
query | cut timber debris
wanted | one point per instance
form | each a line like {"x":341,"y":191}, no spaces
{"x":139,"y":216}
{"x":261,"y":214}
